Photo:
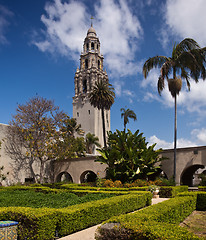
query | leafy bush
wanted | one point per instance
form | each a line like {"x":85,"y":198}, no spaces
{"x":158,"y":221}
{"x":168,"y":192}
{"x":91,"y":213}
{"x":129,"y":157}
{"x":200,"y":199}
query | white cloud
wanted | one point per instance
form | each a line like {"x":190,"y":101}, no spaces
{"x":198,"y":138}
{"x":193,"y":101}
{"x":200,"y":134}
{"x":181,"y":143}
{"x":116,"y":26}
{"x":5,"y":14}
{"x":185,"y":18}
{"x":65,"y":28}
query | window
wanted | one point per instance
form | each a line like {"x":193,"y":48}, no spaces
{"x":84,"y":85}
{"x":77,"y":114}
{"x":92,"y":46}
{"x":87,"y":46}
{"x":89,"y":112}
{"x":86,"y":63}
{"x":98,"y":64}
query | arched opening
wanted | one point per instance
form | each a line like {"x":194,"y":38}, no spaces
{"x":98,"y":64}
{"x":87,"y":46}
{"x":88,"y":176}
{"x":84,"y":85}
{"x":64,"y":177}
{"x":92,"y":46}
{"x":189,"y":176}
{"x":86,"y":63}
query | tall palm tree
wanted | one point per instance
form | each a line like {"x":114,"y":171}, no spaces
{"x":102,"y":97}
{"x":91,"y":141}
{"x":187,"y":60}
{"x":127,"y":113}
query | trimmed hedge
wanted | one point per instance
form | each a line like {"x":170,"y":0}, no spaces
{"x":33,"y":224}
{"x":91,"y":213}
{"x":202,"y":188}
{"x":200,"y":199}
{"x":168,"y":192}
{"x":158,"y":221}
{"x":38,"y":224}
{"x":79,"y":187}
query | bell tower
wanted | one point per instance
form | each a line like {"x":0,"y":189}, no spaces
{"x":90,"y":71}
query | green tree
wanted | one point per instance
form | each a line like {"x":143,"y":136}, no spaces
{"x":187,"y":60}
{"x":128,"y":157}
{"x":37,"y":135}
{"x":126,"y":114}
{"x":91,"y":142}
{"x":71,"y":127}
{"x":102,"y":97}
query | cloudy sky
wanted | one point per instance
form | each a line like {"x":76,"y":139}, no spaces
{"x":40,"y":44}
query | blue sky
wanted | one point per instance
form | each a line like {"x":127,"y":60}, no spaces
{"x":40,"y":44}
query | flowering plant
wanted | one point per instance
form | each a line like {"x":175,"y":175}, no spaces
{"x":153,"y":188}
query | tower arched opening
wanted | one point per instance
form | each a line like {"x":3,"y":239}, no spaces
{"x":188,"y":176}
{"x":86,"y":63}
{"x":92,"y":46}
{"x":88,"y":176}
{"x":84,"y":85}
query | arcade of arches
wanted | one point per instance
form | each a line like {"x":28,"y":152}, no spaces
{"x":190,"y":163}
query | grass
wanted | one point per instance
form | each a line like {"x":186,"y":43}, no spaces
{"x":196,"y":223}
{"x":51,"y":200}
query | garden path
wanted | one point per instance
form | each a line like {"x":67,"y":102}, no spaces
{"x":89,"y":233}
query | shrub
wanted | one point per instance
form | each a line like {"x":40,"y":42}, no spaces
{"x":159,"y":221}
{"x":42,"y":223}
{"x":108,"y":183}
{"x":168,"y":192}
{"x":200,"y":199}
{"x":118,"y":184}
{"x":89,"y":214}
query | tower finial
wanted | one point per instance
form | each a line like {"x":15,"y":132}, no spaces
{"x":91,"y":21}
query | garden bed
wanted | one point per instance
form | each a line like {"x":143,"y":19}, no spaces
{"x":159,"y":221}
{"x":43,"y":223}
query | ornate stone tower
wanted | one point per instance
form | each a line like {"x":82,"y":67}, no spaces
{"x":90,"y":71}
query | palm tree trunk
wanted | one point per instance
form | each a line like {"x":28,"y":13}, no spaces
{"x":175,"y":138}
{"x":103,"y":128}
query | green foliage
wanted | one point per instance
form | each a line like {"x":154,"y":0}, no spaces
{"x":91,"y":142}
{"x":102,"y":97}
{"x":93,"y":213}
{"x":203,"y":179}
{"x":167,"y":192}
{"x":40,"y":132}
{"x":158,"y":221}
{"x":126,"y":114}
{"x":41,"y":223}
{"x":128,"y":157}
{"x":200,"y":199}
{"x":38,"y":199}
